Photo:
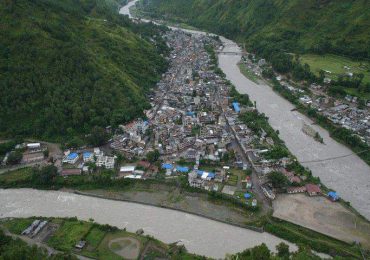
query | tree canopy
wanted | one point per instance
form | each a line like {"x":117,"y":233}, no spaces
{"x":67,"y":66}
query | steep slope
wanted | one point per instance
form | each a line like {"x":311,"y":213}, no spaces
{"x":68,"y":65}
{"x":336,"y":26}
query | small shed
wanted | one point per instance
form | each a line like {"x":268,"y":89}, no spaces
{"x":333,"y":196}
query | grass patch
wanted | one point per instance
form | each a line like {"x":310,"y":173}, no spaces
{"x":232,"y":180}
{"x":336,"y":65}
{"x":15,"y":176}
{"x":16,"y":226}
{"x":318,"y":242}
{"x":248,"y":73}
{"x":95,"y":236}
{"x":66,"y":237}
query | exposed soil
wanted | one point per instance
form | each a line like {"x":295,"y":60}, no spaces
{"x":324,"y":216}
{"x":189,"y":202}
{"x":127,"y":247}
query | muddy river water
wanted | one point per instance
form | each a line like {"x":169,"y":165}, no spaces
{"x":200,"y":235}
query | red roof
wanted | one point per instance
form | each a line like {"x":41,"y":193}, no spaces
{"x":295,"y":179}
{"x":312,"y":188}
{"x":69,"y":172}
{"x":144,"y":164}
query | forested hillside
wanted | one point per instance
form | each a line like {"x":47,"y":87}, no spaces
{"x":69,"y":65}
{"x":320,"y":26}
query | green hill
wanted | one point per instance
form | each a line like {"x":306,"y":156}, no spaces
{"x":320,"y":26}
{"x":69,"y":65}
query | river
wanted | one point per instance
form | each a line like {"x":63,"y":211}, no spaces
{"x":200,"y":235}
{"x":349,"y":176}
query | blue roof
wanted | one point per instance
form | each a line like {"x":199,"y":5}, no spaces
{"x":87,"y":154}
{"x":236,"y":107}
{"x":72,"y":156}
{"x":210,"y":174}
{"x":182,"y":168}
{"x":190,"y":113}
{"x":333,"y":195}
{"x":167,"y":166}
{"x":247,"y":195}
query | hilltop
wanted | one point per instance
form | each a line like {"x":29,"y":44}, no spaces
{"x":67,"y":66}
{"x":320,"y":26}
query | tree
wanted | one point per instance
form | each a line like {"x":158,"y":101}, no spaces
{"x":45,"y":176}
{"x":283,"y":250}
{"x":261,"y":252}
{"x":277,"y":179}
{"x":98,"y":136}
{"x":153,"y":156}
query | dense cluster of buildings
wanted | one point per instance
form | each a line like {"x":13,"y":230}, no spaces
{"x":77,"y":162}
{"x":342,"y":112}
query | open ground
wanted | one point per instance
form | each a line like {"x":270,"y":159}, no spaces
{"x":324,"y":216}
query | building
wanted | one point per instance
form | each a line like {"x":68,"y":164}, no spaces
{"x":71,"y":158}
{"x":236,"y":107}
{"x":33,"y":157}
{"x":106,"y":161}
{"x":126,"y":170}
{"x":34,"y":146}
{"x":293,"y":190}
{"x":312,"y":189}
{"x":70,"y":172}
{"x":333,"y":196}
{"x":88,"y":157}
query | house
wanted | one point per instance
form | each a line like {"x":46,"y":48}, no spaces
{"x":126,"y":170}
{"x":106,"y":161}
{"x":70,"y":172}
{"x":34,"y":146}
{"x":248,"y":182}
{"x":80,"y":245}
{"x":71,"y":158}
{"x":168,"y":167}
{"x":33,"y":157}
{"x":293,"y":190}
{"x":313,"y":189}
{"x":88,"y":157}
{"x":236,"y":107}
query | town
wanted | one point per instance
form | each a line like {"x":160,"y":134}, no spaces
{"x":198,"y":127}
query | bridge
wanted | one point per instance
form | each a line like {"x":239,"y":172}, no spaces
{"x":230,"y":52}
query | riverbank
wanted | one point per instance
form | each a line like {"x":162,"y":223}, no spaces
{"x":191,"y":203}
{"x":166,"y":225}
